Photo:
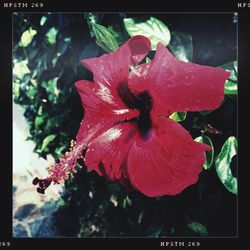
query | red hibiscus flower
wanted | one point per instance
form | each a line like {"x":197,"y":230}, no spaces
{"x":126,"y":133}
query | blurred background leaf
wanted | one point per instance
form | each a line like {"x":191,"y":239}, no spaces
{"x":43,"y":20}
{"x":198,"y":228}
{"x":47,"y":140}
{"x":51,"y":35}
{"x":27,"y":37}
{"x":20,"y":68}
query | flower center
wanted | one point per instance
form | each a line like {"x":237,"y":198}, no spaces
{"x":143,"y":102}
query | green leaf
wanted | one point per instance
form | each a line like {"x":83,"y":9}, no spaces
{"x":43,"y":20}
{"x":20,"y":68}
{"x":155,"y":30}
{"x":51,"y":35}
{"x":231,"y":86}
{"x":31,"y":92}
{"x":231,"y":67}
{"x":59,"y":151}
{"x":104,"y":38}
{"x":67,"y":39}
{"x":178,"y":116}
{"x":209,"y":155}
{"x":53,"y":122}
{"x":47,"y":141}
{"x":182,"y":46}
{"x":40,"y":111}
{"x":126,"y":202}
{"x":92,"y":18}
{"x":27,"y":37}
{"x":113,"y":199}
{"x":148,"y":60}
{"x":51,"y":88}
{"x":198,"y":228}
{"x":117,"y":30}
{"x":38,"y":121}
{"x":16,"y":89}
{"x":222,"y":164}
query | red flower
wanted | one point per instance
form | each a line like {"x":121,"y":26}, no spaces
{"x":126,"y":129}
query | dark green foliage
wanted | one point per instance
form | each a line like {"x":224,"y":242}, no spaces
{"x":92,"y":206}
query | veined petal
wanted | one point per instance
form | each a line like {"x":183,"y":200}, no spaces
{"x":111,"y":69}
{"x":177,"y":86}
{"x":100,"y":108}
{"x":107,"y":152}
{"x":167,"y":162}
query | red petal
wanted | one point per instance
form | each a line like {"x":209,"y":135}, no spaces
{"x":179,"y":86}
{"x":107,"y":152}
{"x":100,"y":108}
{"x":100,"y":115}
{"x":111,"y":69}
{"x":167,"y":162}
